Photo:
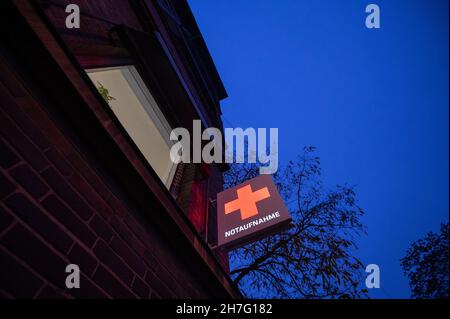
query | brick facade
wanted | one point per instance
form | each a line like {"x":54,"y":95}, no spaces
{"x":59,"y":205}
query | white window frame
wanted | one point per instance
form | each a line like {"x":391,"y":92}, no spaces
{"x":150,"y":106}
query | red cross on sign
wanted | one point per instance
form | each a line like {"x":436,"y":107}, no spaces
{"x":250,"y":211}
{"x":246,"y":201}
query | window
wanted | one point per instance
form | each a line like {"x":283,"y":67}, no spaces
{"x":137,"y":111}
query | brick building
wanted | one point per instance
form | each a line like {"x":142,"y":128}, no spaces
{"x":85,"y":176}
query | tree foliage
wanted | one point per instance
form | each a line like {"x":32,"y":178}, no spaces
{"x":426,"y":264}
{"x":314,"y":258}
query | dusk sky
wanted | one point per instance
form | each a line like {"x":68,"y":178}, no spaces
{"x":374,"y":103}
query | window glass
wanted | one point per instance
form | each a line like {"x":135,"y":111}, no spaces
{"x":137,"y":111}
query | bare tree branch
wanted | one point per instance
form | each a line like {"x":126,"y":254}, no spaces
{"x":313,"y":259}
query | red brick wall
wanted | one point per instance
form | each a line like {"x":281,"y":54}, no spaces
{"x":56,"y":209}
{"x":115,"y":11}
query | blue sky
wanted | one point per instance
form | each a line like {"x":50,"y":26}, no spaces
{"x":374,"y":103}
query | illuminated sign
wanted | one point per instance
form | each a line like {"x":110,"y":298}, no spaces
{"x":250,"y":211}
